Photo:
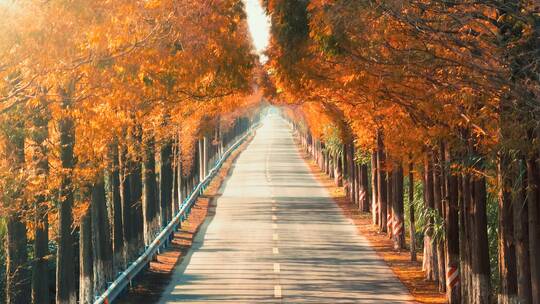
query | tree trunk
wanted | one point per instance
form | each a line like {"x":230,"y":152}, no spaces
{"x":480,"y":247}
{"x":352,"y":175}
{"x":66,"y":289}
{"x":40,"y":268}
{"x":533,"y":180}
{"x":338,"y":173}
{"x":374,"y":190}
{"x":150,"y":214}
{"x":166,"y":183}
{"x":381,"y":184}
{"x":175,"y":166}
{"x":437,"y":199}
{"x":390,"y":203}
{"x":86,"y":273}
{"x":101,"y":242}
{"x":40,"y":163}
{"x":430,"y":258}
{"x":136,"y":188}
{"x":357,"y":181}
{"x":507,"y":252}
{"x":201,"y":159}
{"x":205,"y":158}
{"x":363,"y":195}
{"x":398,"y":210}
{"x":322,"y":158}
{"x":465,"y":238}
{"x":18,"y":287}
{"x":17,"y":274}
{"x":119,"y":259}
{"x":520,"y":210}
{"x":412,"y":226}
{"x":327,"y":169}
{"x":136,"y":195}
{"x":126,"y":206}
{"x":316,"y":154}
{"x":453,"y":291}
{"x":343,"y":168}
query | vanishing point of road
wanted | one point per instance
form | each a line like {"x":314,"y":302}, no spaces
{"x":277,"y":237}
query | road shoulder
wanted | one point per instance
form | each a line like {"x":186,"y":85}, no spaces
{"x":408,"y":272}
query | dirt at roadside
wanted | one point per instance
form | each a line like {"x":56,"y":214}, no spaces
{"x":152,"y":282}
{"x":409,"y":273}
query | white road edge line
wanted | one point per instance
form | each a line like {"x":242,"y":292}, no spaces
{"x":275,"y":250}
{"x":274,"y":217}
{"x":274,"y":226}
{"x":275,"y":237}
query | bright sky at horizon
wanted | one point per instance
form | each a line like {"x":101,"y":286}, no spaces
{"x":259,"y":26}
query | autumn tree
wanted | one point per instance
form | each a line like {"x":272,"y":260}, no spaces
{"x":85,"y":84}
{"x":453,"y":76}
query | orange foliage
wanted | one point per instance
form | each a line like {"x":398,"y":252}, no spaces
{"x":410,"y":70}
{"x":170,"y":68}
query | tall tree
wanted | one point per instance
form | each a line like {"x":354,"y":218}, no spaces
{"x":66,"y":291}
{"x":39,"y":135}
{"x":398,"y":209}
{"x":17,"y":271}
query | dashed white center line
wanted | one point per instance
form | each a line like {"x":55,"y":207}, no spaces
{"x":275,"y":236}
{"x":267,"y":173}
{"x":277,"y":291}
{"x":276,"y":267}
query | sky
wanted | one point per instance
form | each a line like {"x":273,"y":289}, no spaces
{"x":259,"y":26}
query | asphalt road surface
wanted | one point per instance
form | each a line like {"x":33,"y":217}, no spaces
{"x":277,"y":237}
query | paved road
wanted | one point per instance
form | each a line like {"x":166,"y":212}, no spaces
{"x":277,"y":237}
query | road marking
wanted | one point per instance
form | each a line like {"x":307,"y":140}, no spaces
{"x":274,"y":226}
{"x":277,"y":291}
{"x":276,"y":267}
{"x":267,"y":163}
{"x":275,"y":237}
{"x":275,"y":250}
{"x":274,"y":218}
{"x":273,"y":208}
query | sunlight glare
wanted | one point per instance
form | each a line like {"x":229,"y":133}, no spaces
{"x":259,"y":26}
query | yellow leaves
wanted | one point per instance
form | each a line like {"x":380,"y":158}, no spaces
{"x":347,"y":79}
{"x":207,"y":79}
{"x":152,"y":4}
{"x":411,"y":73}
{"x":128,"y":72}
{"x":141,"y":76}
{"x":95,"y":39}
